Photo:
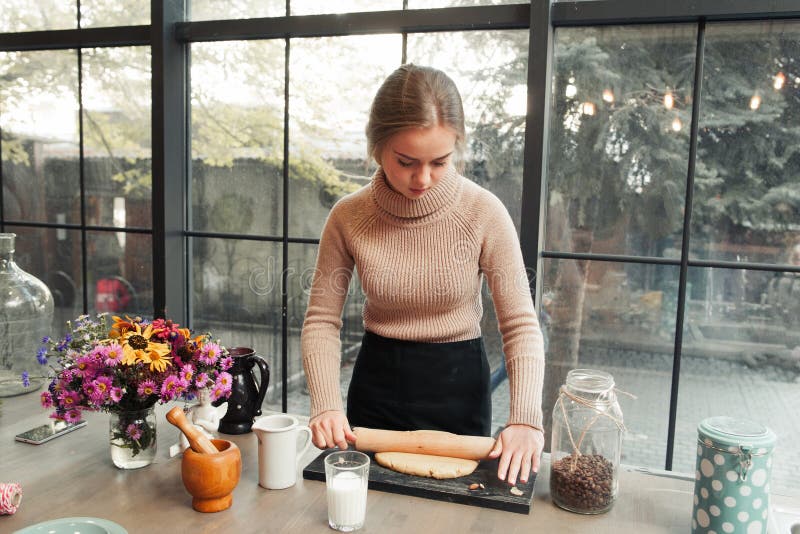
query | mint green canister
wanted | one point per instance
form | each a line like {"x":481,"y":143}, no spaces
{"x":731,"y":490}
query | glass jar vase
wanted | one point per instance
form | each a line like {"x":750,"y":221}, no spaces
{"x":26,"y":316}
{"x":132,"y":436}
{"x":586,"y":443}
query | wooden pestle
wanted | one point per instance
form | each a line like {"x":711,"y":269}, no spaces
{"x":197,"y":440}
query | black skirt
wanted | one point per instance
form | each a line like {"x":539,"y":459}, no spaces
{"x":411,"y":385}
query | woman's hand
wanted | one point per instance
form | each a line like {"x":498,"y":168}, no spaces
{"x":331,"y":429}
{"x":519,"y":448}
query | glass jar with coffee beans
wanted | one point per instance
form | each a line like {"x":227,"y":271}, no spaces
{"x":586,"y":443}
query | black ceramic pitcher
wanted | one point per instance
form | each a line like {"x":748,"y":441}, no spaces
{"x":244,"y":404}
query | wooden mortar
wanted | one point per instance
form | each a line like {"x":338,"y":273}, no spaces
{"x":211,"y":478}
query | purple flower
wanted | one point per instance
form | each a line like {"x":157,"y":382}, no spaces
{"x":68,"y":338}
{"x":61,"y":346}
{"x":134,"y":431}
{"x":46,"y":339}
{"x":41,"y":355}
{"x":26,"y":381}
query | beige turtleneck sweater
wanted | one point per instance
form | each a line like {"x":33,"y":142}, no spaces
{"x":421,"y":263}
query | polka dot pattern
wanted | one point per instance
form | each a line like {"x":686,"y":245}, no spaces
{"x":723,"y":502}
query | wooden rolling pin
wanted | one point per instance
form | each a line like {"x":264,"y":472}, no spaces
{"x":197,"y":440}
{"x":424,"y":442}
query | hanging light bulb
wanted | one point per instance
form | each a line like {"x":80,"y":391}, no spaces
{"x":588,"y":108}
{"x":677,"y":125}
{"x":669,"y":100}
{"x":608,"y":96}
{"x":571,"y":91}
{"x":755,"y":102}
{"x":778,"y":81}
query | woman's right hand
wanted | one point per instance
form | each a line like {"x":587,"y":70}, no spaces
{"x":331,"y":429}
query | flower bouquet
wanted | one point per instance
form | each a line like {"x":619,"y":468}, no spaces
{"x":125,"y":369}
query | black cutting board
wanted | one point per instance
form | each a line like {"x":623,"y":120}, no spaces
{"x":496,"y":494}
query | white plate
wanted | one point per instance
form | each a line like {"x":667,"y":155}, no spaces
{"x":74,"y":525}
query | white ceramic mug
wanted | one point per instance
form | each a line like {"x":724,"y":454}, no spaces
{"x":278,"y":452}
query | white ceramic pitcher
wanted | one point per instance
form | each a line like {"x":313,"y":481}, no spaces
{"x":278,"y":452}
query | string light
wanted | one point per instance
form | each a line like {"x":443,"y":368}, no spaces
{"x":608,"y":96}
{"x":778,"y":81}
{"x":571,"y":91}
{"x":669,"y":100}
{"x":677,"y":125}
{"x":755,"y":102}
{"x":588,"y":108}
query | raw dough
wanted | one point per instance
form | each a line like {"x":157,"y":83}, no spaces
{"x":426,"y":465}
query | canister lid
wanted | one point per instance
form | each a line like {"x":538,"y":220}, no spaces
{"x":731,"y":433}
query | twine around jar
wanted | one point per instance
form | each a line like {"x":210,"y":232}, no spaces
{"x":591,"y":404}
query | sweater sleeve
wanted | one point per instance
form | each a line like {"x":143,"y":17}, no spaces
{"x":502,"y":264}
{"x":320,"y":341}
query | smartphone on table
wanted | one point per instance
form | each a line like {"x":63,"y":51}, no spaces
{"x":49,"y":431}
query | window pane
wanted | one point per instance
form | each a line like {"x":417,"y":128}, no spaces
{"x":236,"y":295}
{"x":24,"y":15}
{"x":619,"y":139}
{"x":117,"y":143}
{"x":120,"y":273}
{"x":490,"y":70}
{"x":235,"y":9}
{"x":39,"y":128}
{"x":739,"y":358}
{"x":54,"y":257}
{"x":237,"y":137}
{"x":619,"y":318}
{"x":315,"y":7}
{"x":114,"y":12}
{"x":746,"y":204}
{"x":302,"y":259}
{"x":332,"y":83}
{"x":428,"y":4}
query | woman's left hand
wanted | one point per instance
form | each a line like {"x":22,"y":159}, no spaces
{"x":519,"y":448}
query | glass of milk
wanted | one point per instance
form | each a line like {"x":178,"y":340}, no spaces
{"x":346,"y":477}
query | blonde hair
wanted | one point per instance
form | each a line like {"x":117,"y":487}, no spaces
{"x":415,"y":97}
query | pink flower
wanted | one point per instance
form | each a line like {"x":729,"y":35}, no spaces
{"x":217,"y":393}
{"x":72,"y":416}
{"x":172,"y":387}
{"x":224,"y":381}
{"x":103,"y":384}
{"x":202,"y":380}
{"x":83,"y":365}
{"x":210,"y":353}
{"x":147,"y":388}
{"x":90,"y":388}
{"x":226,"y":363}
{"x":47,"y":399}
{"x":134,"y":431}
{"x":187,"y":373}
{"x":69,"y":399}
{"x":116,"y":394}
{"x":113,"y":355}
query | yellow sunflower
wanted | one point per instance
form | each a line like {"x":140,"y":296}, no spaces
{"x":137,"y":347}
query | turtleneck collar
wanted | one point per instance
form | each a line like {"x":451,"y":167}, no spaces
{"x":437,"y":199}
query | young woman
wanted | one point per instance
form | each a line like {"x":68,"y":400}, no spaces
{"x":421,"y":237}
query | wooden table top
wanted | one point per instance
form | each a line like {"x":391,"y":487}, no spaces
{"x":72,"y":476}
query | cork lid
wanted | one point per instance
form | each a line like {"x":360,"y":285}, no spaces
{"x":7,"y":243}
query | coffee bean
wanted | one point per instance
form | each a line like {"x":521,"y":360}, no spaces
{"x":582,"y":483}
